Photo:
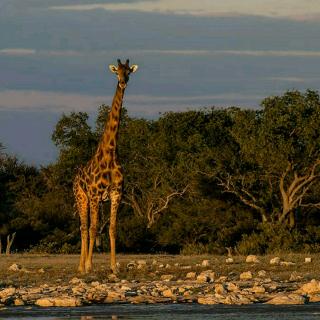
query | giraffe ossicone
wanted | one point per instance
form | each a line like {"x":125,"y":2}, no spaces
{"x":101,"y":178}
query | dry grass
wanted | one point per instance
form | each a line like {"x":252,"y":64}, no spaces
{"x":59,"y":269}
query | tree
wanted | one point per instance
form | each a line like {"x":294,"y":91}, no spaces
{"x":276,"y":165}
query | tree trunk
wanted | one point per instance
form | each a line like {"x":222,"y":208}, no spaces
{"x":10,"y":240}
{"x":292,"y":219}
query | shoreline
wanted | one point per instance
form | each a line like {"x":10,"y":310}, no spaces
{"x":150,"y":281}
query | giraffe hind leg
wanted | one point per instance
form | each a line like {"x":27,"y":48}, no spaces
{"x":94,"y":217}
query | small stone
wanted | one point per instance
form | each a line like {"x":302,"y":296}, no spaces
{"x":113,"y":278}
{"x":45,"y":302}
{"x":191,"y":275}
{"x":262,"y":273}
{"x":143,"y":262}
{"x":232,"y":287}
{"x":252,"y":259}
{"x":258,"y":289}
{"x":201,"y":278}
{"x":41,"y":270}
{"x":167,"y":277}
{"x":220,"y":288}
{"x":75,"y":280}
{"x":161,"y":266}
{"x":131,"y":265}
{"x":208,"y":299}
{"x":15,"y":267}
{"x":287,"y":263}
{"x":18,"y":302}
{"x":177,"y":264}
{"x":295,"y":276}
{"x":95,"y":283}
{"x":167,"y":293}
{"x":168,"y":266}
{"x":246,"y":275}
{"x":229,"y":260}
{"x":205,"y":263}
{"x":275,"y":261}
{"x":308,"y":260}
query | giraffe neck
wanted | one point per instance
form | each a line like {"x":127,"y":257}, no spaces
{"x":110,"y":134}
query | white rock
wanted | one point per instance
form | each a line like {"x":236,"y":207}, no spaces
{"x":205,"y":263}
{"x":308,"y":260}
{"x":252,"y":259}
{"x":275,"y":261}
{"x":229,"y":260}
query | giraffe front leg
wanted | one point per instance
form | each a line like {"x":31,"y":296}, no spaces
{"x":82,"y":207}
{"x":115,"y":197}
{"x":94,"y":210}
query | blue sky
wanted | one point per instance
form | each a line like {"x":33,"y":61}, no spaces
{"x":54,"y":56}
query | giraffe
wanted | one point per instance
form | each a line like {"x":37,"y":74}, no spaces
{"x":101,"y":178}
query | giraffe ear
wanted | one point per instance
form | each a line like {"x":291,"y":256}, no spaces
{"x":113,"y":68}
{"x":133,"y":68}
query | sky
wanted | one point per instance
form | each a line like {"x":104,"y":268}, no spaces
{"x":54,"y":57}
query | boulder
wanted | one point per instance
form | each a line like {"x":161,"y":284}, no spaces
{"x":311,"y":287}
{"x":64,"y":301}
{"x":284,"y":298}
{"x":7,"y":293}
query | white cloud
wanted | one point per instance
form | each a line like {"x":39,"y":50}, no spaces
{"x":295,"y":9}
{"x":186,"y":52}
{"x":17,"y":52}
{"x":136,"y":104}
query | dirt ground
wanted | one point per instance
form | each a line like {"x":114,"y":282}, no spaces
{"x":61,"y":268}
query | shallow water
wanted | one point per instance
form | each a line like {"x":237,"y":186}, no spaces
{"x":166,"y":312}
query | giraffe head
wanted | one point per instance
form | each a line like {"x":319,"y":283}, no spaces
{"x":123,"y":71}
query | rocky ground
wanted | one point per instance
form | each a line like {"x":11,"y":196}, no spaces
{"x":53,"y":280}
